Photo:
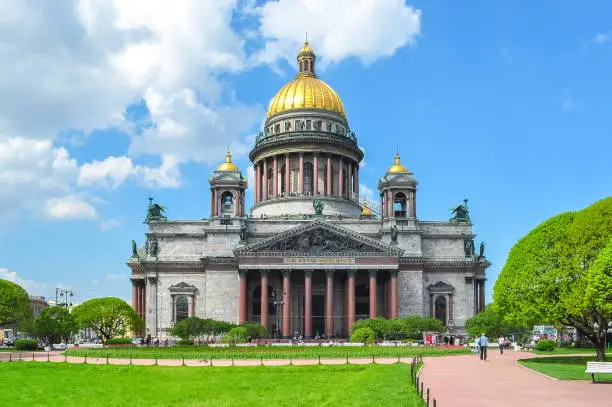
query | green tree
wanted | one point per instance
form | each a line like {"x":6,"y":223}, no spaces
{"x":599,"y":286}
{"x":364,"y":335}
{"x":548,"y":273}
{"x":255,"y":330}
{"x":108,"y":317}
{"x":490,"y":322}
{"x":236,"y":335}
{"x":14,"y":304}
{"x":54,"y":325}
{"x":189,"y":328}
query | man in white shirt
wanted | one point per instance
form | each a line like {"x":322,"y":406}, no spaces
{"x":501,"y":343}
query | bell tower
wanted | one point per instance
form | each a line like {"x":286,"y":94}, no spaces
{"x":398,"y":192}
{"x":227,"y":190}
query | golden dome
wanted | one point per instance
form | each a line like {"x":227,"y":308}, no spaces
{"x":365,"y":211}
{"x":397,"y":167}
{"x":306,"y":91}
{"x":228,"y":165}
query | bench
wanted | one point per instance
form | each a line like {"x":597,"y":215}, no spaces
{"x":598,"y":367}
{"x":528,"y":346}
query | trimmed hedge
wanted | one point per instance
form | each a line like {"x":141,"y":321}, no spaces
{"x":546,"y":345}
{"x":364,"y":335}
{"x":118,"y":341}
{"x":185,"y":342}
{"x":26,"y":344}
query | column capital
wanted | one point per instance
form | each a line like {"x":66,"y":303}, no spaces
{"x":301,"y":153}
{"x":308,"y":273}
{"x":394,"y":273}
{"x":264,"y":273}
{"x":373,"y":273}
{"x":351,"y":273}
{"x":315,"y":153}
{"x":242,"y":273}
{"x":329,"y":273}
{"x":287,"y":273}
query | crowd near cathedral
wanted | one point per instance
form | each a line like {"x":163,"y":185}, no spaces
{"x":311,"y":256}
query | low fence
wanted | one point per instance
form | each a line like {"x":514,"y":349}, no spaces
{"x":423,"y":391}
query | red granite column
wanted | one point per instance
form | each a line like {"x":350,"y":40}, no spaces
{"x":287,"y":174}
{"x":264,"y":298}
{"x":349,"y":182}
{"x":340,"y":177}
{"x":351,"y":300}
{"x":213,"y":203}
{"x":390,"y":204}
{"x":372,"y":293}
{"x":257,"y":182}
{"x":275,"y":175}
{"x":308,"y":303}
{"x":328,"y":190}
{"x":329,"y":304}
{"x":301,"y":175}
{"x":134,"y":296}
{"x":393,"y":302}
{"x":356,"y":178}
{"x":242,"y":304}
{"x":286,"y":304}
{"x":315,"y":170}
{"x":265,"y":180}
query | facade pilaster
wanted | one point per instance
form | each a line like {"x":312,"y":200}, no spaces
{"x":351,"y":300}
{"x":329,"y":304}
{"x":393,"y":299}
{"x":308,"y":303}
{"x":372,"y":293}
{"x":286,"y":304}
{"x":264,"y":298}
{"x":242,"y":305}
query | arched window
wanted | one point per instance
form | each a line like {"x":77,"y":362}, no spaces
{"x":227,"y":202}
{"x":399,"y":205}
{"x":181,"y":308}
{"x":308,"y":178}
{"x":440,"y":308}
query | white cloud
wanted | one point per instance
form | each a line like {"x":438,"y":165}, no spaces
{"x":69,"y":207}
{"x":31,"y":286}
{"x":367,"y":193}
{"x":568,"y":103}
{"x":602,"y":38}
{"x":366,"y":29}
{"x":251,"y":176}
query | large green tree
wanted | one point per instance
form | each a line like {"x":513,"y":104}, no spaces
{"x":14,"y":304}
{"x":490,"y":322}
{"x":54,"y":325}
{"x":549,"y":271}
{"x":108,"y":317}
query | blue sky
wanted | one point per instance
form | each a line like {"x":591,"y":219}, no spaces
{"x":507,"y":105}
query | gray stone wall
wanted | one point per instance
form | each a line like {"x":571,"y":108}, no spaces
{"x":410,"y":286}
{"x":222,"y":295}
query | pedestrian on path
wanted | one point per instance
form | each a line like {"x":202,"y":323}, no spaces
{"x":483,"y":342}
{"x":501,"y":343}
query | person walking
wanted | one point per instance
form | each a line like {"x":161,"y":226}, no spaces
{"x":501,"y":343}
{"x":483,"y":342}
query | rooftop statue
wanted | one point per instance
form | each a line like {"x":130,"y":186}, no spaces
{"x":481,"y":255}
{"x":134,"y":249}
{"x":155,"y":211}
{"x":318,"y":206}
{"x":461,"y":213}
{"x":394,"y":234}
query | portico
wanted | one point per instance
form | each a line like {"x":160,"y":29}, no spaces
{"x":336,"y":278}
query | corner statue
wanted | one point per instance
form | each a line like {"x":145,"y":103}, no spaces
{"x":481,"y":255}
{"x":134,"y":249}
{"x":318,"y":206}
{"x":461,"y":213}
{"x":155,"y":211}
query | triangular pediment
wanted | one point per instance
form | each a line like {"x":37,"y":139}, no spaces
{"x":441,"y":287}
{"x":320,"y":237}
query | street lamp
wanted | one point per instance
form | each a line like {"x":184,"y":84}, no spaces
{"x":161,"y":312}
{"x":277,"y":300}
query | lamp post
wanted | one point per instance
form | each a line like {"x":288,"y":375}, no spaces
{"x":63,"y":294}
{"x":277,"y":300}
{"x":161,"y":312}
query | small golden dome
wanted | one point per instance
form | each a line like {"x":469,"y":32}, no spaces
{"x":365,"y":211}
{"x":397,"y":167}
{"x":228,"y":165}
{"x":306,"y":91}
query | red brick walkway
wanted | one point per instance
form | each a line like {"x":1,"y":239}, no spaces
{"x":460,"y":381}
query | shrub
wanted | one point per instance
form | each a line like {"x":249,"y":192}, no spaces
{"x":236,"y":335}
{"x":26,"y":344}
{"x":185,"y":342}
{"x":255,"y":331}
{"x":546,"y":345}
{"x":365,"y":335}
{"x":118,"y":341}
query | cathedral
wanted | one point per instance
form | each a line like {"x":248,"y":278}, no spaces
{"x":311,"y":256}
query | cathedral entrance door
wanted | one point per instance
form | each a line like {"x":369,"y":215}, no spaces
{"x":318,"y":314}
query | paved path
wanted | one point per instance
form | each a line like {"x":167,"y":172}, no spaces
{"x":467,"y":381}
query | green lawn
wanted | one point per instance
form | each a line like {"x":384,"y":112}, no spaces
{"x":65,"y":384}
{"x":563,"y":367}
{"x":565,"y":351}
{"x":295,"y":352}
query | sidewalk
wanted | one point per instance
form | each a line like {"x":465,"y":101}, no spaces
{"x":460,"y":381}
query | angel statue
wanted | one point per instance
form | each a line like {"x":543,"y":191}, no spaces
{"x":481,"y":254}
{"x":318,"y":206}
{"x":461,"y":213}
{"x":155,"y":211}
{"x":134,"y":249}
